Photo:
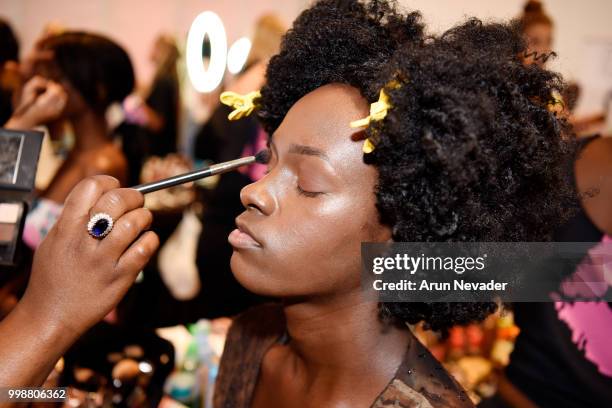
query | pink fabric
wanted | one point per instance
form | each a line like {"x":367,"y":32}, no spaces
{"x":591,"y":322}
{"x":255,"y":171}
{"x":40,"y":220}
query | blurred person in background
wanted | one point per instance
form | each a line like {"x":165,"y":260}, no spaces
{"x":56,"y":142}
{"x":28,"y":63}
{"x":39,"y":101}
{"x":9,"y":69}
{"x":158,"y":112}
{"x":199,"y":106}
{"x":213,"y":141}
{"x":221,"y":140}
{"x":151,"y":302}
{"x":151,"y":120}
{"x":77,"y":76}
{"x":93,"y":72}
{"x":537,"y":27}
{"x":559,"y":358}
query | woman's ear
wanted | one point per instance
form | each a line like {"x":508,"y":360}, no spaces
{"x":380,"y":233}
{"x":385,"y":234}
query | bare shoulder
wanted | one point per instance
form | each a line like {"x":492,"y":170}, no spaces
{"x":598,"y":149}
{"x":593,"y":170}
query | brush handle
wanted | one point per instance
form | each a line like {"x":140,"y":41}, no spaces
{"x":194,"y":175}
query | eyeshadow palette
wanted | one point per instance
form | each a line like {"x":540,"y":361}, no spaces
{"x":19,"y":152}
{"x":11,"y":147}
{"x":18,"y":159}
{"x":12,"y":217}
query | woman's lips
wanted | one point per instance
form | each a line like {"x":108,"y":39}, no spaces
{"x":241,"y":239}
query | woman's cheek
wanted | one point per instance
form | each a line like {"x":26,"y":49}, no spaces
{"x":312,"y":245}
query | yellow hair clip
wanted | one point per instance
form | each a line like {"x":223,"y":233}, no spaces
{"x":556,"y":104}
{"x":243,"y":104}
{"x":378,"y":111}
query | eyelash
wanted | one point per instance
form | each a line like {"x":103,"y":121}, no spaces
{"x":309,"y":194}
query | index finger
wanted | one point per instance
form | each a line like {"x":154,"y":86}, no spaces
{"x":83,"y":197}
{"x":54,"y":87}
{"x":55,"y":94}
{"x":29,"y":93}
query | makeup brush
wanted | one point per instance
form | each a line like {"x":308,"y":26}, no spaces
{"x":262,"y":157}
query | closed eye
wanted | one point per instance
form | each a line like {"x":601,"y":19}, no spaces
{"x":310,"y":194}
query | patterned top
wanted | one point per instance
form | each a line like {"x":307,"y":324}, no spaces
{"x":419,"y":382}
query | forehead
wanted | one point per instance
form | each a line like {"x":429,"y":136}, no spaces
{"x":321,"y":119}
{"x":538,"y":28}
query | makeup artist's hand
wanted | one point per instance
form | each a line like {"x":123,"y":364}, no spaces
{"x":76,"y":279}
{"x":41,"y":101}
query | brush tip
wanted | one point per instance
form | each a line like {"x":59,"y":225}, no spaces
{"x":263,"y":157}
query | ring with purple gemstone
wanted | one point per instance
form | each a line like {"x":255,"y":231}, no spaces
{"x":100,"y":225}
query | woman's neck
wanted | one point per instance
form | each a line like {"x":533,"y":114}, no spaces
{"x":344,"y":335}
{"x":91,"y":131}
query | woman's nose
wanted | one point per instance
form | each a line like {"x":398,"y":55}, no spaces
{"x":256,"y":196}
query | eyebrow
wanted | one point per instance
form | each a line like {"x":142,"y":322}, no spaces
{"x":308,"y":151}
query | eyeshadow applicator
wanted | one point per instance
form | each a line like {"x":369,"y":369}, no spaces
{"x":262,"y":158}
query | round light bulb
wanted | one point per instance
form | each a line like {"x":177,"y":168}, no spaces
{"x":238,"y":54}
{"x":206,"y":24}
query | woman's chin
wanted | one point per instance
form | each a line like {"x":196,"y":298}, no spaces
{"x":266,"y":278}
{"x":251,"y":277}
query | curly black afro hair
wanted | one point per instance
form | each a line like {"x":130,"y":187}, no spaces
{"x":469,"y":152}
{"x":341,"y":41}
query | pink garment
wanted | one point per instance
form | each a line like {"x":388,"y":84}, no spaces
{"x":591,"y":322}
{"x":255,"y":171}
{"x":40,"y":220}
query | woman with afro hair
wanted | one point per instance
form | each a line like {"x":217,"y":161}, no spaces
{"x":467,"y":151}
